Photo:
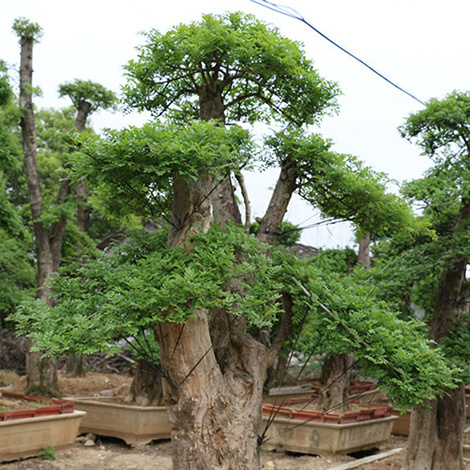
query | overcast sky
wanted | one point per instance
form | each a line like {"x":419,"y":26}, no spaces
{"x":422,"y":45}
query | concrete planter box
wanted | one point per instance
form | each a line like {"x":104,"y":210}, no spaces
{"x":136,"y":425}
{"x":24,"y":432}
{"x":294,"y":392}
{"x":312,"y":389}
{"x":326,"y":438}
{"x":312,"y":432}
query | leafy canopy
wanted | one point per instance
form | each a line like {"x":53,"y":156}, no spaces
{"x":87,"y":91}
{"x":133,"y":169}
{"x":145,"y":282}
{"x":256,"y":72}
{"x":26,"y":29}
{"x":340,"y":185}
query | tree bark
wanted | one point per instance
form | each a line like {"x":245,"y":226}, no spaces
{"x":41,"y":373}
{"x":83,"y":210}
{"x":286,"y":184}
{"x":75,"y":365}
{"x":335,"y":381}
{"x":224,"y":204}
{"x":363,"y":256}
{"x":147,"y":386}
{"x":436,"y":436}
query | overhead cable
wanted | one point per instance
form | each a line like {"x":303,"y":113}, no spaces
{"x":291,"y":13}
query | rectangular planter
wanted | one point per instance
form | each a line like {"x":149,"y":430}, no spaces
{"x":326,"y":438}
{"x":466,"y":452}
{"x":24,"y":437}
{"x":136,"y":425}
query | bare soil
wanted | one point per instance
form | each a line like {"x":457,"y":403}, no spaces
{"x":101,"y":453}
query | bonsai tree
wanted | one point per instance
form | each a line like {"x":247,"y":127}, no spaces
{"x":210,"y":294}
{"x":441,"y":130}
{"x":178,"y":289}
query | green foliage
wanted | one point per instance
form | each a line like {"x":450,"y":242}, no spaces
{"x":456,"y":347}
{"x":144,"y":282}
{"x":393,"y":350}
{"x":442,"y":126}
{"x":26,"y":29}
{"x":289,"y":235}
{"x":138,"y":165}
{"x":47,"y":453}
{"x":139,"y":285}
{"x":86,"y":91}
{"x":341,"y":186}
{"x":17,"y":274}
{"x":258,"y":73}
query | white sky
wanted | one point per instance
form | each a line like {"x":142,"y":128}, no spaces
{"x":422,"y":45}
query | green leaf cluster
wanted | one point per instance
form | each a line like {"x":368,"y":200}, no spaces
{"x":340,"y":185}
{"x":87,"y":91}
{"x":133,"y":168}
{"x":258,"y":73}
{"x":393,"y":350}
{"x":26,"y":29}
{"x":145,"y":282}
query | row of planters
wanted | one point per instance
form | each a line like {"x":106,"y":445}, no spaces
{"x":30,"y":424}
{"x":36,"y":423}
{"x":308,"y":388}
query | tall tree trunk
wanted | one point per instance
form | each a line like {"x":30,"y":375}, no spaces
{"x":76,"y":365}
{"x":41,"y":373}
{"x":224,"y":204}
{"x":363,"y":256}
{"x":436,"y":436}
{"x":83,"y":210}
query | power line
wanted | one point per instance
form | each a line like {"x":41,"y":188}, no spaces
{"x":291,"y":13}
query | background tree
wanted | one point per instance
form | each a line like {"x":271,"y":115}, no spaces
{"x":442,"y":131}
{"x":87,"y":97}
{"x":48,"y":225}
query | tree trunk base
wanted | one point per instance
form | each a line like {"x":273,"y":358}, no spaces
{"x":41,"y":376}
{"x":75,"y":366}
{"x":436,"y":435}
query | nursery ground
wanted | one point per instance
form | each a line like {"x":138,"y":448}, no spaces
{"x":101,"y":453}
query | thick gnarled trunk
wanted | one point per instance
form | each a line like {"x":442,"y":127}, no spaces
{"x":436,"y":436}
{"x":215,"y":413}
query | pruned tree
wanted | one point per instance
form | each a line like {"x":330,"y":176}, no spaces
{"x":87,"y":97}
{"x":442,"y":131}
{"x":48,"y":231}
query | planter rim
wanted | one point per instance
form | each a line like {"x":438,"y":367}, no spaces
{"x":298,"y":422}
{"x":16,"y":422}
{"x":102,"y":402}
